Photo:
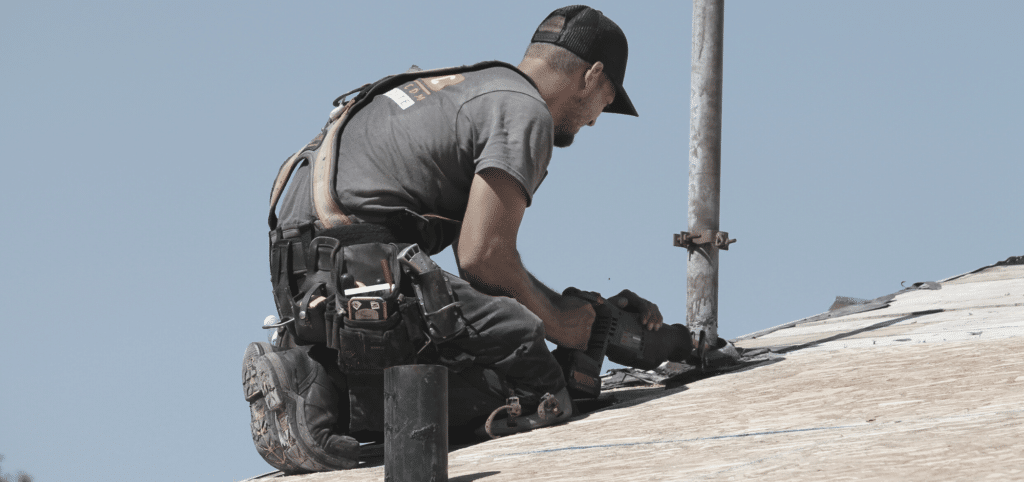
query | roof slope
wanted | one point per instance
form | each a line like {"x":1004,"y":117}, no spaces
{"x":929,"y":387}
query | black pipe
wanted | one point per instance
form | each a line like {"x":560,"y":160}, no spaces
{"x":416,"y":423}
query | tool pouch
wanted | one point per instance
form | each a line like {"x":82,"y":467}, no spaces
{"x":375,"y":330}
{"x":373,"y":345}
{"x":442,"y":314}
{"x":347,"y":298}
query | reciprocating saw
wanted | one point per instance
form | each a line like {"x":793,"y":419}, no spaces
{"x":619,"y":335}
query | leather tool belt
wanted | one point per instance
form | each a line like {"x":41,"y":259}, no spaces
{"x":348,"y":298}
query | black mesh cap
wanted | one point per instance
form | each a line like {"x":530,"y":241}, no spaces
{"x":594,"y":38}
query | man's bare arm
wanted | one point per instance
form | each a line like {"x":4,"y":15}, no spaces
{"x":488,"y":258}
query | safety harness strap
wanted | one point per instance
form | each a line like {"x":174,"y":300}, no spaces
{"x":283,"y":175}
{"x":328,"y":209}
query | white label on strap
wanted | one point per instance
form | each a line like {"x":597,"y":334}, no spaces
{"x":401,"y":98}
{"x":387,"y":287}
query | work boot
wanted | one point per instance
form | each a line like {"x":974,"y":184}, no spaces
{"x":552,"y":410}
{"x":293,"y":406}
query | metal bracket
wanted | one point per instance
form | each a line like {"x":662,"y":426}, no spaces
{"x":514,"y":409}
{"x":548,"y":407}
{"x":691,"y":241}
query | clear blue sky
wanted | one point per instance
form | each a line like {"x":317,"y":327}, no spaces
{"x":865,"y":143}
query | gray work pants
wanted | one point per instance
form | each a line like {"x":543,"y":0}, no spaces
{"x":507,"y":341}
{"x":509,"y":357}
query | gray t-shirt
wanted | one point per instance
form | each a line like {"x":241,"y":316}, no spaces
{"x":419,"y":145}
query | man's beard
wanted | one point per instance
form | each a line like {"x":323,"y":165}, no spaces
{"x":565,"y":131}
{"x":563,"y":138}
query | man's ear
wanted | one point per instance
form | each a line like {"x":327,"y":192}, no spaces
{"x":592,"y":78}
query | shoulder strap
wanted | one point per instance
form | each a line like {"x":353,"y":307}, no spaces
{"x":325,"y":202}
{"x":313,"y":151}
{"x":283,"y":175}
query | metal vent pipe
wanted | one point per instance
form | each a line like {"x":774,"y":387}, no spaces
{"x":705,"y":166}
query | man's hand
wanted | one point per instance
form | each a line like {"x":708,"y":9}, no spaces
{"x":650,"y":315}
{"x":576,"y":317}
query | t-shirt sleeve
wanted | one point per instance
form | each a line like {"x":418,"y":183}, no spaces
{"x":508,"y":130}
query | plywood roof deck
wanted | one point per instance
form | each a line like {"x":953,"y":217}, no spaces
{"x":913,"y":393}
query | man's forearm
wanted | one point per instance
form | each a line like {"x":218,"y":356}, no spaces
{"x":567,"y":320}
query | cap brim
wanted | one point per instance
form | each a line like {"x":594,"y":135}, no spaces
{"x":621,"y":104}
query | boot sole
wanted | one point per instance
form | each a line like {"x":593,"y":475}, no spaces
{"x":251,"y":389}
{"x":269,"y":423}
{"x":276,"y":410}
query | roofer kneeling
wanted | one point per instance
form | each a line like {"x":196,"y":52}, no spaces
{"x":409,"y":165}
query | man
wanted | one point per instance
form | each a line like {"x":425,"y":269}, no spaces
{"x":451,"y":157}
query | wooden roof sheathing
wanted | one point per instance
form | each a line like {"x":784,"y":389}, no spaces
{"x":928,"y":388}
